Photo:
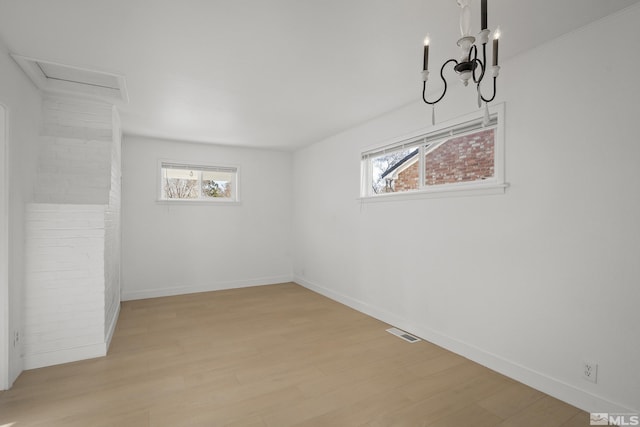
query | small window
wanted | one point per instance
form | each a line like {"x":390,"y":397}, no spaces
{"x":198,"y":182}
{"x":388,"y":166}
{"x":466,"y":158}
{"x":465,"y":154}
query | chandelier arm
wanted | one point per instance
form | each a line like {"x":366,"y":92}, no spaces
{"x":482,"y":63}
{"x":494,"y":91}
{"x":482,"y":70}
{"x":484,"y":60}
{"x":424,"y":85}
{"x":473,"y":53}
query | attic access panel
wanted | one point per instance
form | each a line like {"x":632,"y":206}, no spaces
{"x":59,"y":78}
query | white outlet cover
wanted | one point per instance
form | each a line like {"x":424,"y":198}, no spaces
{"x":590,"y":371}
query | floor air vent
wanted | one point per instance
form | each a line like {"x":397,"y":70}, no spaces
{"x":402,"y":334}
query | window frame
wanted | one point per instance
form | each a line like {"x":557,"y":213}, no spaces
{"x":200,"y":167}
{"x":417,"y":139}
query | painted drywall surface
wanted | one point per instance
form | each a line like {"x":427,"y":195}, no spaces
{"x":171,"y":248}
{"x":531,"y":282}
{"x":23,"y":105}
{"x":4,"y":254}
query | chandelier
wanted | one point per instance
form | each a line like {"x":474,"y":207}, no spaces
{"x":468,"y":66}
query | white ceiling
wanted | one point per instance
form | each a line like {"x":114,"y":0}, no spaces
{"x":268,"y":73}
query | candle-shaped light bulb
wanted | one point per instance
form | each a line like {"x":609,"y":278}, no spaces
{"x":425,"y":58}
{"x":483,"y":15}
{"x":496,"y":37}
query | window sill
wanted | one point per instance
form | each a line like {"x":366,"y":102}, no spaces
{"x":457,"y":190}
{"x":198,"y":202}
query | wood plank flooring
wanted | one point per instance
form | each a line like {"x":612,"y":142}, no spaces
{"x":271,"y":356}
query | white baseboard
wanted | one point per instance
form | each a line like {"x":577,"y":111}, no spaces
{"x":50,"y":358}
{"x":551,"y":386}
{"x":167,"y":292}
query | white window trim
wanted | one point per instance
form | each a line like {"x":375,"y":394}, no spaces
{"x":197,"y":164}
{"x":495,"y":185}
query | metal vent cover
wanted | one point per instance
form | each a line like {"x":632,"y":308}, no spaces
{"x":404,"y":335}
{"x":59,"y":78}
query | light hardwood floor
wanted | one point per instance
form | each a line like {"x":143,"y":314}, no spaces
{"x":272,"y":356}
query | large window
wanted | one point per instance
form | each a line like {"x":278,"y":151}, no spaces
{"x":198,"y":183}
{"x":464,"y":154}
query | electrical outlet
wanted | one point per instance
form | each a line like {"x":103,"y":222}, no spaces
{"x":590,"y":371}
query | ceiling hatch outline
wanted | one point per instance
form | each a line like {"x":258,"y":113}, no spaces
{"x":54,"y":77}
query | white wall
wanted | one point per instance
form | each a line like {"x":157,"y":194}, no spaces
{"x":73,"y":170}
{"x":173,"y":248}
{"x":113,"y":231}
{"x":64,"y":291}
{"x":4,"y":254}
{"x":23,"y":105}
{"x":529,"y":283}
{"x":72,"y":250}
{"x":75,"y":151}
